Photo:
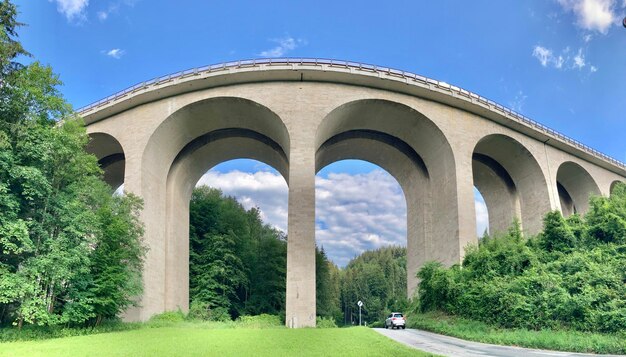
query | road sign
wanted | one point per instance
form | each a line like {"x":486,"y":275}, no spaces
{"x":360,"y":303}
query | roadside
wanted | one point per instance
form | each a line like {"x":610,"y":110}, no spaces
{"x":451,"y":346}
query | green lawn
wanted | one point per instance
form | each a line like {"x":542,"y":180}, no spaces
{"x":559,"y":340}
{"x":193,"y":341}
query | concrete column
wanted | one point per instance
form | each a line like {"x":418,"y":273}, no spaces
{"x":152,"y":300}
{"x":466,"y":233}
{"x":300,"y":299}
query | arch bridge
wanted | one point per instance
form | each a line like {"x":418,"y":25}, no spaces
{"x":299,"y":115}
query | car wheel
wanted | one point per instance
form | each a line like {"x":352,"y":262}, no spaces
{"x":403,"y":327}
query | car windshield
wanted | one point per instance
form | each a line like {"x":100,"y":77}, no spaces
{"x":397,"y":315}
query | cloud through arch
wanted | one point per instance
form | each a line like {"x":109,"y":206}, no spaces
{"x":355,"y":211}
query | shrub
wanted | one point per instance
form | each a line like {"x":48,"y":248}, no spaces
{"x":199,"y":310}
{"x":325,"y":322}
{"x":167,"y":318}
{"x":260,"y":321}
{"x":571,"y":276}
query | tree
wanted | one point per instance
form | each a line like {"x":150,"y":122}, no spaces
{"x":236,"y":261}
{"x":117,"y":259}
{"x":52,"y":198}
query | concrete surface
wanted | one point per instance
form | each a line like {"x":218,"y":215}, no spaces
{"x":159,"y":139}
{"x":451,"y":346}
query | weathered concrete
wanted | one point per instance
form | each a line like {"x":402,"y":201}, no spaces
{"x":439,"y":144}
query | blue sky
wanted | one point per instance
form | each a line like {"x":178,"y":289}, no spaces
{"x":560,"y":62}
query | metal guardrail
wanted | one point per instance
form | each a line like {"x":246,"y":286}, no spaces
{"x":407,"y":76}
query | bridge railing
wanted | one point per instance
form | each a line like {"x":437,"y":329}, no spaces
{"x":407,"y":76}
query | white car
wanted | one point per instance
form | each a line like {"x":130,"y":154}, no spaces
{"x":395,"y":319}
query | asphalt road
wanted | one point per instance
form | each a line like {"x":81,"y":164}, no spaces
{"x":450,"y":346}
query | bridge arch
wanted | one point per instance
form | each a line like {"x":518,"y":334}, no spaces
{"x":312,"y":117}
{"x":415,"y":152}
{"x":511,"y":182}
{"x":111,"y":157}
{"x":184,"y":146}
{"x":574,"y":186}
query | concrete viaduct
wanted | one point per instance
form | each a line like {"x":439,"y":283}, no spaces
{"x":299,"y":115}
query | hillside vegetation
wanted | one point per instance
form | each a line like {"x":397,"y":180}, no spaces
{"x":572,"y":276}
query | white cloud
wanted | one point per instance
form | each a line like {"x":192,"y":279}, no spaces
{"x":518,"y":102}
{"x":482,"y":217}
{"x":593,"y":69}
{"x":285,"y":45}
{"x":592,"y":15}
{"x":543,"y":54}
{"x":563,"y":61}
{"x":579,"y":59}
{"x":113,"y":8}
{"x":354,"y":213}
{"x":266,"y":190}
{"x":73,"y":10}
{"x":115,"y":53}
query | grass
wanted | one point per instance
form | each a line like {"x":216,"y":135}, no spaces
{"x":561,"y":340}
{"x":166,"y":319}
{"x":188,"y":339}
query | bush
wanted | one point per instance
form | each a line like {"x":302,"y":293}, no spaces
{"x":377,"y":324}
{"x":570,"y":277}
{"x":260,"y":321}
{"x":33,"y":332}
{"x":167,"y":318}
{"x":199,"y":310}
{"x":325,"y":322}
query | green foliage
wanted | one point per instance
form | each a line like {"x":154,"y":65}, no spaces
{"x":571,"y":276}
{"x":70,"y":253}
{"x":167,"y":318}
{"x":378,"y":279}
{"x":237,"y":264}
{"x":199,"y":310}
{"x":260,"y":321}
{"x":606,"y":219}
{"x":559,"y":340}
{"x":328,"y":286}
{"x":33,"y":332}
{"x":325,"y":322}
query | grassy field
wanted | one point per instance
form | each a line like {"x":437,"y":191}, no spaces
{"x":193,"y":341}
{"x":571,"y":341}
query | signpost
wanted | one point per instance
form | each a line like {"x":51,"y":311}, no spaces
{"x":360,"y":303}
